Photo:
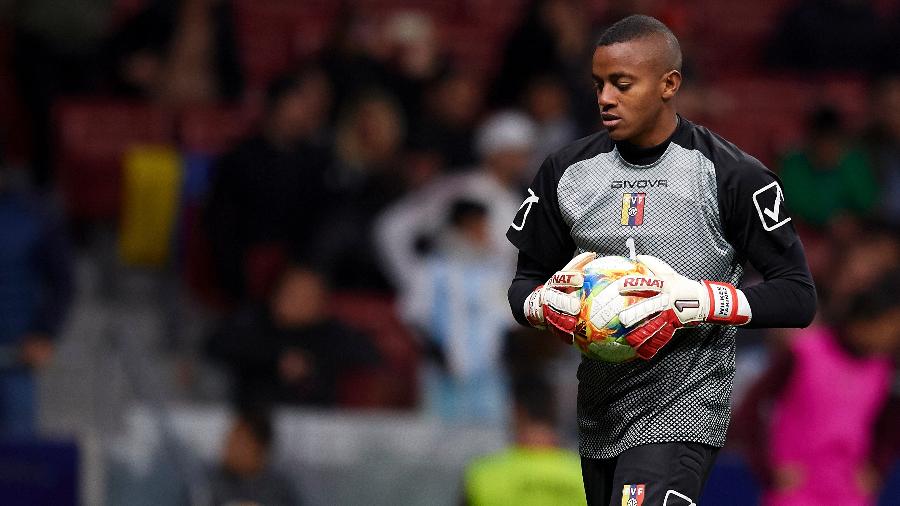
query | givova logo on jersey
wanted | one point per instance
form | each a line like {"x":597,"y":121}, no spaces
{"x":633,"y":495}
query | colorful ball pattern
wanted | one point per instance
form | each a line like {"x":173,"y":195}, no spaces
{"x":599,"y":340}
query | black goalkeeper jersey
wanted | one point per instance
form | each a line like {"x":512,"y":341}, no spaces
{"x":698,"y":203}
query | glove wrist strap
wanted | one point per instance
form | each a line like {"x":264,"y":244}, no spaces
{"x":534,"y":310}
{"x":727,"y":304}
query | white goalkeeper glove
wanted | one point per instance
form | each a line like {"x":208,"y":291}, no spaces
{"x":679,"y":302}
{"x":555,"y":305}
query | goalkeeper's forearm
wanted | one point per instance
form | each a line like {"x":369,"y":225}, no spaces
{"x":787,"y":297}
{"x":529,"y":275}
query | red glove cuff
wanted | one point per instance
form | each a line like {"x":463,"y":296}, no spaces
{"x":724,"y":304}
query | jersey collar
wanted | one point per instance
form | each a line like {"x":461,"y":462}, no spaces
{"x":637,"y":155}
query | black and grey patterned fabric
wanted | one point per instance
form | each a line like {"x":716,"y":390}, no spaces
{"x":696,"y":206}
{"x":689,"y":383}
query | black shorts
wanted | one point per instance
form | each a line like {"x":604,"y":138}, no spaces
{"x":667,"y":474}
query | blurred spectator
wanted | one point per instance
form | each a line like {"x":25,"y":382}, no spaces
{"x":36,"y":289}
{"x":369,"y":140}
{"x":269,"y":194}
{"x":829,"y":176}
{"x":421,"y":166}
{"x":245,"y":475}
{"x":883,"y":140}
{"x":553,"y":38}
{"x":405,"y":231}
{"x":862,"y":251}
{"x":455,"y":301}
{"x":548,"y":103}
{"x":452,"y":108}
{"x":369,"y":137}
{"x":291,"y":349}
{"x":353,"y":57}
{"x":57,"y":48}
{"x":414,"y":59}
{"x":527,"y":351}
{"x":852,"y":44}
{"x":179,"y":52}
{"x":535,"y":471}
{"x":399,"y":53}
{"x":826,"y":438}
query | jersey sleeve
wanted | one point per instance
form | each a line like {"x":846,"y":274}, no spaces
{"x":538,"y":228}
{"x":759,"y":227}
{"x":756,"y":219}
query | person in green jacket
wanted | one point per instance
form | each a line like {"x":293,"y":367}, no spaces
{"x":829,"y":177}
{"x":536,"y":470}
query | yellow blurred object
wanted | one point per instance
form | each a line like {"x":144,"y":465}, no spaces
{"x":152,"y":187}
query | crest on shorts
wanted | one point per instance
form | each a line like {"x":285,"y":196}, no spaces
{"x":633,"y":495}
{"x":633,"y":208}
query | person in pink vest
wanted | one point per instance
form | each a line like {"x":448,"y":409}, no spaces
{"x":820,"y":426}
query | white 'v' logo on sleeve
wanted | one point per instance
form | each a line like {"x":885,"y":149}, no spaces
{"x":531,"y":200}
{"x":768,"y":201}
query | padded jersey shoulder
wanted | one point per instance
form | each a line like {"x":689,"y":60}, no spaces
{"x":581,"y":149}
{"x":745,"y":189}
{"x":729,"y":160}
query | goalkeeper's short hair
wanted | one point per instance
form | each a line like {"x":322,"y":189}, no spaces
{"x":638,"y":26}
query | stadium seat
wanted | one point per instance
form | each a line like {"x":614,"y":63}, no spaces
{"x":93,"y":135}
{"x":395,"y":383}
{"x":211,"y":130}
{"x":731,"y":34}
{"x":767,"y":116}
{"x":474,"y":47}
{"x":438,"y":9}
{"x":275,"y":34}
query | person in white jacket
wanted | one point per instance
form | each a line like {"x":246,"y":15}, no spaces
{"x":505,"y":143}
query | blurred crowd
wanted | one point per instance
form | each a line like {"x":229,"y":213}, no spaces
{"x":333,"y":182}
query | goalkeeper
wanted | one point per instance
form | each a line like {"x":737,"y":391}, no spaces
{"x":698,"y":208}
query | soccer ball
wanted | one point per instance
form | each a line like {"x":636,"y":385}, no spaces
{"x":599,"y":334}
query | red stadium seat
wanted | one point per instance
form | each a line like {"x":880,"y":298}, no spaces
{"x":850,"y":95}
{"x":212,"y":130}
{"x":504,"y":14}
{"x":473,"y":47}
{"x":437,"y":9}
{"x":93,"y":135}
{"x":731,"y":34}
{"x":275,"y":34}
{"x":767,"y":116}
{"x":394,"y":384}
